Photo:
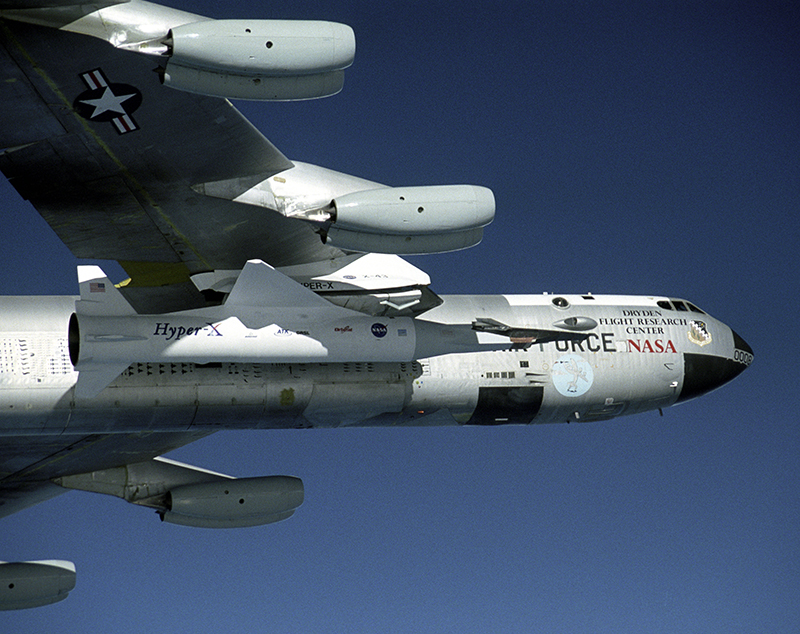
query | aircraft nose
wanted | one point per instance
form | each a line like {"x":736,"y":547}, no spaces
{"x":703,"y":373}
{"x":742,"y":352}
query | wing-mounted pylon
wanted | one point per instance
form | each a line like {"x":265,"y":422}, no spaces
{"x":354,"y":214}
{"x":186,"y":495}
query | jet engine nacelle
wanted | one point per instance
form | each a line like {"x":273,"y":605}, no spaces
{"x":31,"y":584}
{"x":234,"y":503}
{"x":408,"y":220}
{"x":259,"y":59}
{"x":252,"y":87}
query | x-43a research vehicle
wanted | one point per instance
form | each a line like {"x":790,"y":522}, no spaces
{"x":264,"y":293}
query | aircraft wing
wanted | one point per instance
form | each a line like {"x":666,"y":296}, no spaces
{"x":29,"y":463}
{"x":113,"y":125}
{"x":113,"y":161}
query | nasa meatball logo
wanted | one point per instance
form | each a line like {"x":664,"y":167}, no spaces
{"x":379,"y":330}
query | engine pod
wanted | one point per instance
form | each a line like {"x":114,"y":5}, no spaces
{"x":256,"y":87}
{"x":263,"y":47}
{"x":234,"y":503}
{"x":403,"y":244}
{"x":31,"y":584}
{"x":415,"y":211}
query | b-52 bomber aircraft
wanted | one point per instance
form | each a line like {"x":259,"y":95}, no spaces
{"x":264,"y":293}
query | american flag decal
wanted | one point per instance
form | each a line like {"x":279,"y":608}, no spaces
{"x":97,"y":287}
{"x":107,"y":101}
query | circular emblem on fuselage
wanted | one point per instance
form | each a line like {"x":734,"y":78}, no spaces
{"x":572,"y":375}
{"x":379,"y":330}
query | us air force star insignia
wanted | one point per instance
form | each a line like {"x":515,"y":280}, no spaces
{"x":105,"y":101}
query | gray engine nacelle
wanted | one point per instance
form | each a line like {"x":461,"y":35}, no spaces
{"x":259,"y":59}
{"x":31,"y":584}
{"x":252,"y":87}
{"x":234,"y":503}
{"x":408,"y":220}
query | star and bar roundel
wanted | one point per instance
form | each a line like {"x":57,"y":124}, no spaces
{"x":106,"y":101}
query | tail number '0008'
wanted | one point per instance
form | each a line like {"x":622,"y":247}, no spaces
{"x":743,"y":357}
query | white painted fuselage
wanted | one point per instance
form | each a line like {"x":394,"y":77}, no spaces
{"x":645,"y":353}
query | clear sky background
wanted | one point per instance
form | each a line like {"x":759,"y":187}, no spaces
{"x":642,"y":148}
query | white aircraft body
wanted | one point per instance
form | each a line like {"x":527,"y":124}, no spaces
{"x":264,"y":293}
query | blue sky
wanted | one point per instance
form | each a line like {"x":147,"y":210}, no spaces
{"x":642,"y":148}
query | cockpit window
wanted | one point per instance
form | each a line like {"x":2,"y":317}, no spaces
{"x":678,"y":304}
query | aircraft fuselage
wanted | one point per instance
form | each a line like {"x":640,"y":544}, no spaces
{"x":644,"y":353}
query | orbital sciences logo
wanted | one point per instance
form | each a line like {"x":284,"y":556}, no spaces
{"x":379,"y":330}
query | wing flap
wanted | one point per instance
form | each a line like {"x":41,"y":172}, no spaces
{"x":24,"y":118}
{"x":105,"y":220}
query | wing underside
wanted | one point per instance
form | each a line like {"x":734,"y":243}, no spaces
{"x":29,"y":463}
{"x":114,"y":161}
